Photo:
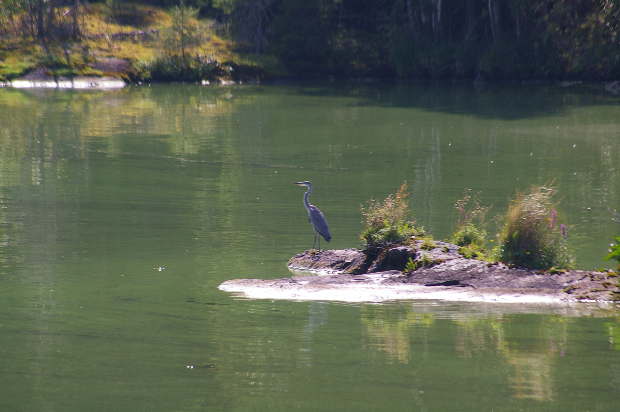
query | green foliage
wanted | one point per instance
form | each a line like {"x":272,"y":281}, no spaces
{"x":184,"y":33}
{"x":411,"y":265}
{"x":388,"y":222}
{"x":428,"y":244}
{"x":473,"y":251}
{"x":492,"y":39}
{"x":60,"y":63}
{"x":226,"y":6}
{"x":614,"y":251}
{"x":555,"y":271}
{"x":380,"y":237}
{"x":511,"y":39}
{"x":470,"y":234}
{"x":46,"y":21}
{"x":128,"y":14}
{"x":531,"y":236}
{"x":177,"y":68}
{"x":422,"y":262}
{"x":301,"y":36}
{"x":11,"y":68}
{"x":178,"y":61}
{"x":469,"y":209}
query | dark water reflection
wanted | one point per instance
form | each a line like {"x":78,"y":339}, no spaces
{"x":121,"y":212}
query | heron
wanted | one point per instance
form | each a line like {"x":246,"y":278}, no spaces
{"x":315,"y":216}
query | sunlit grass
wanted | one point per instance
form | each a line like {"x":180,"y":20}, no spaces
{"x":99,"y":19}
{"x":15,"y":64}
{"x":100,"y":30}
{"x":532,"y":236}
{"x":470,"y":234}
{"x":389,"y":222}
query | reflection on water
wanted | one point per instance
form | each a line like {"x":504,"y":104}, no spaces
{"x":317,"y":317}
{"x":391,"y":331}
{"x":528,"y":347}
{"x":441,"y":140}
{"x":613,"y":329}
{"x":532,"y":365}
{"x":99,"y":189}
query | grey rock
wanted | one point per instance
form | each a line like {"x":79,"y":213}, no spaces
{"x":441,"y":273}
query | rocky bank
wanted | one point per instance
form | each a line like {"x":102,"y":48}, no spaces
{"x":423,"y":271}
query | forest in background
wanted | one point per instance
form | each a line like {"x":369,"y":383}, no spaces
{"x":412,"y":39}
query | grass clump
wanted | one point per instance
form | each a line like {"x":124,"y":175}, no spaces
{"x":531,"y":236}
{"x":388,"y":222}
{"x":473,"y":252}
{"x":423,"y":262}
{"x":411,"y":265}
{"x":428,"y":244}
{"x":178,"y":68}
{"x":614,"y":252}
{"x":470,"y":234}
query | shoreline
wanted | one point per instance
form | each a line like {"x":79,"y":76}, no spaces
{"x":38,"y":81}
{"x":350,"y":276}
{"x":369,"y":288}
{"x":93,"y":83}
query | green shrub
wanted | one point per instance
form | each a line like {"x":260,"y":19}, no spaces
{"x":470,"y":234}
{"x":428,"y":244}
{"x":423,"y":262}
{"x":473,"y":251}
{"x":531,"y":236}
{"x":388,"y":222}
{"x":178,"y":68}
{"x":411,"y":265}
{"x":129,"y":14}
{"x":614,"y":252}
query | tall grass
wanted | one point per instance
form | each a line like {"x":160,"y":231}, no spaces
{"x":470,"y":234}
{"x":388,"y":222}
{"x":178,"y":68}
{"x":532,"y":236}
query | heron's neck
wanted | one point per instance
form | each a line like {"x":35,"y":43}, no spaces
{"x":306,"y":196}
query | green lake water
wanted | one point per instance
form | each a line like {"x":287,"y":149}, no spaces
{"x":122,"y":211}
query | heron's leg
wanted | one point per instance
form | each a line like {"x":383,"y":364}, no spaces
{"x":319,"y":238}
{"x":314,"y":242}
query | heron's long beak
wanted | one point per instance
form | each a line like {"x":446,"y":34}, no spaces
{"x":299,"y":184}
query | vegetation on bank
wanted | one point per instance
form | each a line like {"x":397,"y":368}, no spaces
{"x":116,"y":38}
{"x":614,"y":253}
{"x":470,"y":234}
{"x":389,"y":222}
{"x":532,"y":234}
{"x":192,"y":39}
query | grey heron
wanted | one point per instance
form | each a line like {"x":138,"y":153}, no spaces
{"x":315,"y":216}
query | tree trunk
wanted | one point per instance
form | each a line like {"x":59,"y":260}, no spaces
{"x":76,"y":20}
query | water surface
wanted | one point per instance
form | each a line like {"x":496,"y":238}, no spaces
{"x":121,"y":212}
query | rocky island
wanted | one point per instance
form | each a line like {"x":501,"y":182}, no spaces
{"x":422,"y":272}
{"x":400,"y":260}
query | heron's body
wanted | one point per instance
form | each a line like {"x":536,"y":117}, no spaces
{"x":315,"y":216}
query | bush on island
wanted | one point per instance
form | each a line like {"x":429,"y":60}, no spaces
{"x":388,"y":222}
{"x":532,"y":236}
